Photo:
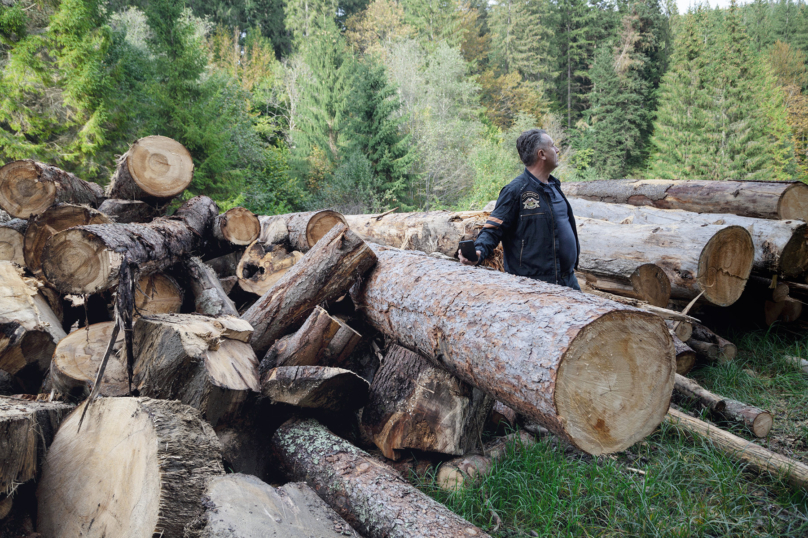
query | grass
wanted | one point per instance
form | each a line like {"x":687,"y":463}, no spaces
{"x":688,"y":489}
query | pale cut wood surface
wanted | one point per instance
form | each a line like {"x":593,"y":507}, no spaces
{"x":300,"y":231}
{"x":12,"y":237}
{"x":78,"y":356}
{"x":158,"y":293}
{"x":29,"y":187}
{"x":238,"y":226}
{"x":453,"y":474}
{"x":316,"y":387}
{"x":307,"y":346}
{"x":155,"y":169}
{"x":262,"y":265}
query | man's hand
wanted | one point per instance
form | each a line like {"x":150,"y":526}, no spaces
{"x":466,"y":261}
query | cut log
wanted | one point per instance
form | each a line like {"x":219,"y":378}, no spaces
{"x":690,"y":389}
{"x":716,"y":260}
{"x":453,"y":474}
{"x":784,"y":200}
{"x":798,"y":362}
{"x":341,"y":346}
{"x":12,"y":237}
{"x":502,"y":414}
{"x":595,"y":372}
{"x":157,"y":293}
{"x":726,"y":348}
{"x":243,"y":506}
{"x":29,"y":188}
{"x":685,"y":356}
{"x":138,"y":468}
{"x":315,"y":387}
{"x":77,"y":359}
{"x":325,"y":273}
{"x":648,"y":282}
{"x":682,"y":329}
{"x":757,"y":457}
{"x":303,"y":230}
{"x":203,"y":362}
{"x":210,"y":298}
{"x":664,"y":313}
{"x":225,"y":266}
{"x":261,"y":266}
{"x":155,"y":170}
{"x":792,"y":310}
{"x":307,"y":346}
{"x":708,"y":350}
{"x":780,"y":245}
{"x":414,"y":405}
{"x":772,"y":311}
{"x":50,"y":222}
{"x":26,"y":430}
{"x":128,"y":211}
{"x":237,"y":226}
{"x":88,"y":259}
{"x":371,"y":496}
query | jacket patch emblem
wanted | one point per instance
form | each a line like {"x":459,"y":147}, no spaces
{"x":531,"y":203}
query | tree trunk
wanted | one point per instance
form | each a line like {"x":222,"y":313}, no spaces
{"x":780,"y":246}
{"x":716,"y":260}
{"x":210,"y":298}
{"x":685,"y":356}
{"x":157,"y":293}
{"x":453,"y":474}
{"x":262,"y":265}
{"x":595,"y":372}
{"x":26,"y":430}
{"x":303,"y":230}
{"x":307,"y":346}
{"x":128,"y":211}
{"x":203,"y":362}
{"x":783,"y":200}
{"x":155,"y":170}
{"x":757,"y":457}
{"x":726,"y":348}
{"x":77,"y":359}
{"x":29,"y":187}
{"x":12,"y":237}
{"x":50,"y":222}
{"x":326,"y":272}
{"x":708,"y":350}
{"x":241,"y":505}
{"x":88,"y":259}
{"x":368,"y":494}
{"x":237,"y":226}
{"x":139,"y":467}
{"x":646,"y":282}
{"x":414,"y":405}
{"x":315,"y":387}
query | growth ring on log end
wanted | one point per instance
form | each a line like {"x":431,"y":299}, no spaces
{"x":76,"y":261}
{"x":21,"y":191}
{"x":725,"y":264}
{"x":652,"y":284}
{"x":794,"y":203}
{"x":160,"y":166}
{"x":321,"y":223}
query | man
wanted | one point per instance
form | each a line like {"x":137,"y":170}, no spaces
{"x":533,"y":219}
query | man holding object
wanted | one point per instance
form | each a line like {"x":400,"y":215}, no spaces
{"x":533,"y":219}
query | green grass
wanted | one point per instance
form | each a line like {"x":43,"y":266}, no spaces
{"x":689,"y":488}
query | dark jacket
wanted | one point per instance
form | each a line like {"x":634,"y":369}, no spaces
{"x":525,"y":223}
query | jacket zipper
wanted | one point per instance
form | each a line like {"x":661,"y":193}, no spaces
{"x":555,"y":256}
{"x":520,"y":253}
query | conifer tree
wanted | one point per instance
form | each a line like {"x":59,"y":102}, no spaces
{"x":521,"y":38}
{"x":302,"y":17}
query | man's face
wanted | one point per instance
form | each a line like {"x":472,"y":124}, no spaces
{"x":550,"y":153}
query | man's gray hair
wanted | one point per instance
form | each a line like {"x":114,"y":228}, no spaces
{"x":528,"y":145}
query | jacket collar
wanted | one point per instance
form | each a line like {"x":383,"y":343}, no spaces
{"x":552,"y":180}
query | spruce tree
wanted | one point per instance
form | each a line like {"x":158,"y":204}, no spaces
{"x":521,"y":38}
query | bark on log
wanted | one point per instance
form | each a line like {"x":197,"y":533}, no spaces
{"x":685,"y":356}
{"x":77,"y":358}
{"x":225,"y":266}
{"x":210,"y":298}
{"x":138,"y":468}
{"x":155,"y":170}
{"x":646,"y":282}
{"x":414,"y":405}
{"x":368,"y":494}
{"x":307,"y":346}
{"x":128,"y":211}
{"x":682,"y":329}
{"x":780,"y":245}
{"x":714,"y":259}
{"x":9,"y":385}
{"x":203,"y":362}
{"x":595,"y":372}
{"x":157,"y":293}
{"x":12,"y":238}
{"x":315,"y":387}
{"x":325,"y":273}
{"x":242,"y":506}
{"x":50,"y":222}
{"x":262,"y":265}
{"x":757,"y":457}
{"x":784,"y":200}
{"x":88,"y":259}
{"x":303,"y":230}
{"x":29,"y":187}
{"x":726,"y":348}
{"x":228,"y":283}
{"x":708,"y":350}
{"x":454,"y":474}
{"x":26,"y":430}
{"x":237,"y":226}
{"x":341,"y":346}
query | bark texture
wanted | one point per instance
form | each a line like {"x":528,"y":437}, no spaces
{"x":12,"y":238}
{"x":595,"y":372}
{"x":155,"y":170}
{"x":303,"y":230}
{"x":685,"y":356}
{"x":725,"y":347}
{"x":128,"y":211}
{"x":307,"y":346}
{"x":225,"y":266}
{"x":88,"y":259}
{"x":29,"y":187}
{"x":368,"y":494}
{"x":262,"y":265}
{"x":316,"y":387}
{"x":77,"y":358}
{"x":138,"y":468}
{"x":453,"y":474}
{"x":325,"y":273}
{"x":237,"y":226}
{"x":210,"y":298}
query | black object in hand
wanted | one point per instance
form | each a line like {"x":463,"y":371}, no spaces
{"x":468,"y":250}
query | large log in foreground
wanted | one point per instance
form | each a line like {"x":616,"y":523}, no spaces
{"x":155,"y":169}
{"x":371,"y":496}
{"x":595,"y":372}
{"x":88,"y":259}
{"x":783,"y":200}
{"x":138,"y":468}
{"x":29,"y":187}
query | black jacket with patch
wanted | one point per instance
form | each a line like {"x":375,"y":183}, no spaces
{"x":525,"y":223}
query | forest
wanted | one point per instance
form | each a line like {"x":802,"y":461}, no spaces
{"x":361,"y":106}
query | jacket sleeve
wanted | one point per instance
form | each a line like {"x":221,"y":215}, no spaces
{"x":499,"y":221}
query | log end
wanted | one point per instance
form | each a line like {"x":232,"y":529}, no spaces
{"x":21,"y":192}
{"x":725,"y":264}
{"x":652,"y":284}
{"x":762,"y":424}
{"x":240,"y":226}
{"x":794,"y":203}
{"x":321,"y":223}
{"x":685,"y":362}
{"x":161,"y":166}
{"x":76,"y":261}
{"x":77,"y":359}
{"x":11,"y":246}
{"x":615,"y":381}
{"x":794,"y":258}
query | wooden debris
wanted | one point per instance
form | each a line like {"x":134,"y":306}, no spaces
{"x":237,"y":226}
{"x":158,"y":293}
{"x":210,"y":298}
{"x":303,"y":230}
{"x":798,"y":362}
{"x":317,"y":387}
{"x":128,"y":211}
{"x":455,"y":473}
{"x":305,"y":347}
{"x":685,"y":356}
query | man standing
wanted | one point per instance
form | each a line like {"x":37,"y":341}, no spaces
{"x":533,"y":219}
